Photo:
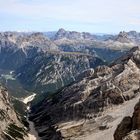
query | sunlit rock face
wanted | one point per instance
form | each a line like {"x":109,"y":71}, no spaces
{"x":128,"y":129}
{"x":9,"y":120}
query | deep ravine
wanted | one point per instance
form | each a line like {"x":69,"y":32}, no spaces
{"x":8,"y":80}
{"x":33,"y":135}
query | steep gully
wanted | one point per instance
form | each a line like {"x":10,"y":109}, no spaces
{"x":33,"y":135}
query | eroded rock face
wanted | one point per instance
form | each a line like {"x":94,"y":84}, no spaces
{"x":85,"y":73}
{"x":128,"y":129}
{"x":91,"y":96}
{"x":123,"y":129}
{"x":10,"y":125}
{"x":134,"y":135}
{"x":136,"y":117}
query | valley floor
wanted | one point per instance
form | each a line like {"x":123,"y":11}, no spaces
{"x":33,"y":135}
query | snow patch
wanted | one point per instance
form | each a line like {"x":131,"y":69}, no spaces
{"x":29,"y":98}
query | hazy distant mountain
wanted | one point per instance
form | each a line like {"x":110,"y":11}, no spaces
{"x":128,"y":37}
{"x":62,"y":33}
{"x":123,"y":38}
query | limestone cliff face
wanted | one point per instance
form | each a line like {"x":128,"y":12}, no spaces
{"x":62,"y":33}
{"x":128,"y":129}
{"x":89,"y":97}
{"x":10,"y":126}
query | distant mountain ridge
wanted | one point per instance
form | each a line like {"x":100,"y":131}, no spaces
{"x":62,"y":33}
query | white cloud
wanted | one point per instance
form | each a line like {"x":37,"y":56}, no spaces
{"x":82,"y":11}
{"x":79,"y":10}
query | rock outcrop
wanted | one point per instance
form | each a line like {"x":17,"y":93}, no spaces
{"x":127,"y":37}
{"x":128,"y":129}
{"x":123,"y":129}
{"x":123,"y":37}
{"x":11,"y":127}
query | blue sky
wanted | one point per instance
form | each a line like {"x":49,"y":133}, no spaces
{"x":96,"y":16}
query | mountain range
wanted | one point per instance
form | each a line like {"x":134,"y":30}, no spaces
{"x":85,"y":85}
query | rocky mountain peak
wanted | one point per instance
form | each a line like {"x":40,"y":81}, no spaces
{"x":72,"y":35}
{"x":61,"y":30}
{"x":123,"y":37}
{"x":122,"y":34}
